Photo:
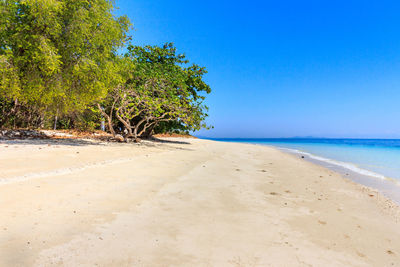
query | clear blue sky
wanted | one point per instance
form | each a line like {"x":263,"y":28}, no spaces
{"x":286,"y":68}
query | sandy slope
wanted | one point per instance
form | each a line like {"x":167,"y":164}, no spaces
{"x":201,"y":203}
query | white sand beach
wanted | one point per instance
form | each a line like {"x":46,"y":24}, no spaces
{"x":187,"y":202}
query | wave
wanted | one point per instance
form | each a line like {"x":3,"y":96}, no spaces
{"x":350,"y":166}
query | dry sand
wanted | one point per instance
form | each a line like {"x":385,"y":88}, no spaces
{"x":189,"y":203}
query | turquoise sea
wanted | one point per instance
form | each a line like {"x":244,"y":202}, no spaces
{"x":376,"y":159}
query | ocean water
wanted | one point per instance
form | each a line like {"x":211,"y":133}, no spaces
{"x":378,"y":159}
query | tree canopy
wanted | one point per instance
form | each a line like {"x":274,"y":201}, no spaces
{"x":60,"y":58}
{"x":59,"y":54}
{"x":157,"y":86}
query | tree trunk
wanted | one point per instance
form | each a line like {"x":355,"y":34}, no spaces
{"x":55,"y":120}
{"x":146,"y":126}
{"x":125,"y":123}
{"x":109,"y":120}
{"x":136,"y":135}
{"x":149,"y":131}
{"x":41,"y":124}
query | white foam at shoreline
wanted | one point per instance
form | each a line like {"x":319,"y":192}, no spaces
{"x":349,"y":166}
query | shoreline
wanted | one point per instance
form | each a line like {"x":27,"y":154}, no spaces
{"x":388,"y":187}
{"x":385,"y":185}
{"x":186,"y":202}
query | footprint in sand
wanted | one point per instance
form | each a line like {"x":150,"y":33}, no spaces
{"x":389,"y":252}
{"x":360,"y":254}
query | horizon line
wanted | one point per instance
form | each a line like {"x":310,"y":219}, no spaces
{"x":295,"y":137}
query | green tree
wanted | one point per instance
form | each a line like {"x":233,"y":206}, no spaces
{"x":57,"y":55}
{"x":157,"y":88}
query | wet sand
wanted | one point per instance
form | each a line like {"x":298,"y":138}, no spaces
{"x":390,"y":188}
{"x":187,"y":202}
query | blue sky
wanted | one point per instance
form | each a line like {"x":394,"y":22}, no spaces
{"x":286,"y":68}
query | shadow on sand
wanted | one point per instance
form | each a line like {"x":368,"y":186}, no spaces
{"x":158,"y":140}
{"x":34,"y":137}
{"x":51,"y":141}
{"x":83,"y":142}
